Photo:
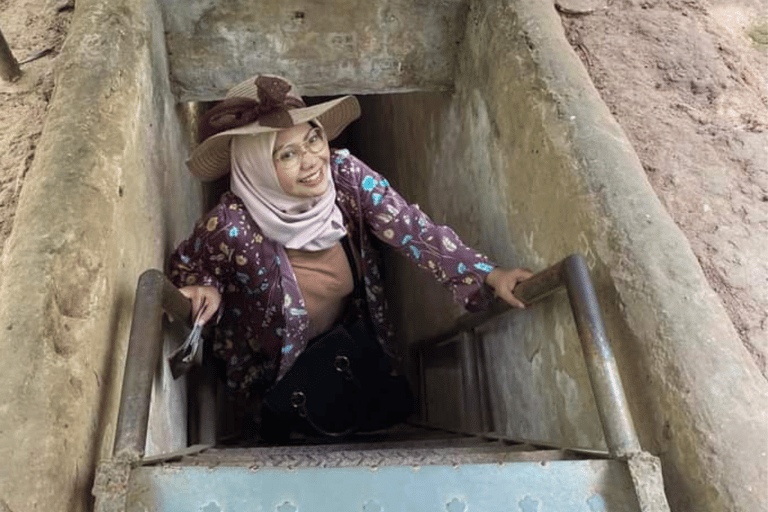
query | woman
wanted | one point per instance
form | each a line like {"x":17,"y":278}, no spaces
{"x":268,"y":259}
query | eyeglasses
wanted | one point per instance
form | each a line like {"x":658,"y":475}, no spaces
{"x":289,"y":157}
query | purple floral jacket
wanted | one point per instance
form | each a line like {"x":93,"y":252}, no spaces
{"x":263,"y":323}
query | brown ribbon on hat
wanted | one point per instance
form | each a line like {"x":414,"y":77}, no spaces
{"x":271,"y":110}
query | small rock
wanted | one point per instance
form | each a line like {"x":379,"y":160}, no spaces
{"x":65,"y":5}
{"x":579,"y":6}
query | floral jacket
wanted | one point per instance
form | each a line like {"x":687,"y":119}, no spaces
{"x":263,"y":323}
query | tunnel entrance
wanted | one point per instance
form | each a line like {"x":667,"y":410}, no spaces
{"x":439,"y":151}
{"x":477,"y":145}
{"x":463,"y":163}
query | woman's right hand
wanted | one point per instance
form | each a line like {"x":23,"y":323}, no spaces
{"x":206,"y":298}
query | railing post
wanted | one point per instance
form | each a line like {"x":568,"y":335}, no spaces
{"x":9,"y":67}
{"x":612,"y":406}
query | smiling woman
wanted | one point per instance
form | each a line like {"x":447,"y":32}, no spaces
{"x":288,"y":248}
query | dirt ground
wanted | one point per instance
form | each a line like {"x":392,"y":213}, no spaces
{"x":688,"y":82}
{"x":686,"y":79}
{"x":35,"y":31}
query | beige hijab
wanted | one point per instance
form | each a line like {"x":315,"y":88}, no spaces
{"x":310,"y":224}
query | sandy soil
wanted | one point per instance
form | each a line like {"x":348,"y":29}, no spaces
{"x":687,"y":80}
{"x":35,"y":31}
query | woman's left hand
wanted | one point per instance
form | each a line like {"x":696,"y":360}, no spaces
{"x":504,"y":280}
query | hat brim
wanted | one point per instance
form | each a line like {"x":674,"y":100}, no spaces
{"x":210,"y":160}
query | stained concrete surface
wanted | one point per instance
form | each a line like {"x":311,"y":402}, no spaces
{"x":355,"y":46}
{"x":524,"y":160}
{"x":91,"y":217}
{"x":521,"y":157}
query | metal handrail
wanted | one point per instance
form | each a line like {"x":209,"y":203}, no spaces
{"x":573,"y":273}
{"x":155,"y":294}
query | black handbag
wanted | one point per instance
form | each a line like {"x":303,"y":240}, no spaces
{"x":340,"y":384}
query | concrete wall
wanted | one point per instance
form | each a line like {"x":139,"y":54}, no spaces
{"x":356,"y":46}
{"x":525,"y":161}
{"x":92,"y":216}
{"x":441,"y":152}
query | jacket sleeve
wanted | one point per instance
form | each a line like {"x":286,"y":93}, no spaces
{"x":432,"y":247}
{"x":203,"y":258}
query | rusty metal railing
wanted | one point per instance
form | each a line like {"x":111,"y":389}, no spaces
{"x":155,"y":295}
{"x":573,"y":274}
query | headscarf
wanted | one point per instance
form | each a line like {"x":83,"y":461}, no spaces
{"x":310,"y":224}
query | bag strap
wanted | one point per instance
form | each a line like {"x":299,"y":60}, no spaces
{"x":358,"y":294}
{"x":346,"y":243}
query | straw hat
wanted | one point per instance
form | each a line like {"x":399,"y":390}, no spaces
{"x":264,"y":103}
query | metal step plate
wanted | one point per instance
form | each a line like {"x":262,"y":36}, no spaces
{"x":543,"y":486}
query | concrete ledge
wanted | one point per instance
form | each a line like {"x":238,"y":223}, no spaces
{"x":89,"y":219}
{"x":326,"y":47}
{"x":707,"y":398}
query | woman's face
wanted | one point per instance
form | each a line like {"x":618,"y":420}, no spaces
{"x":301,"y":158}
